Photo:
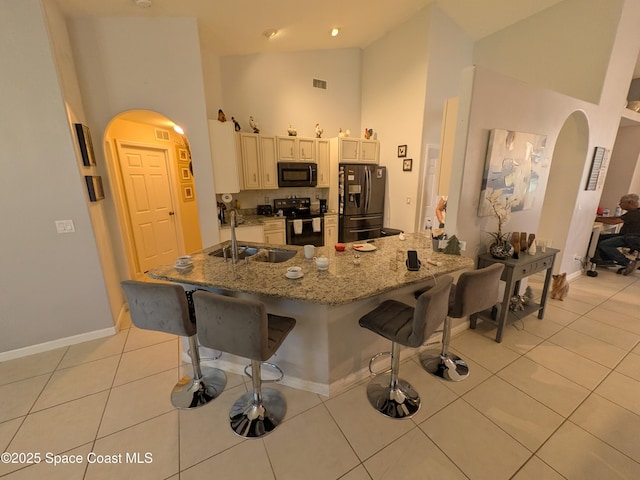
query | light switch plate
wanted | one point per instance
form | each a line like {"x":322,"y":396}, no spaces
{"x":65,"y":226}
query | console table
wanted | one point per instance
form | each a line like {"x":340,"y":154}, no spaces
{"x":514,"y":271}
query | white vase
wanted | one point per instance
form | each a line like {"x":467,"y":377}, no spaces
{"x":533,"y":248}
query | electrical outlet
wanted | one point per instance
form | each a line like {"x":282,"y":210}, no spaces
{"x":266,"y":200}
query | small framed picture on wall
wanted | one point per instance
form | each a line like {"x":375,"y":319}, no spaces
{"x":407,"y":164}
{"x":183,"y":154}
{"x":187,"y":193}
{"x":402,"y":151}
{"x":86,"y":145}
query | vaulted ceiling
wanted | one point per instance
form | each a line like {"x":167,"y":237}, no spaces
{"x":236,"y":27}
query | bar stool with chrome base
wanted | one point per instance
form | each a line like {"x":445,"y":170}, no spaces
{"x":475,"y":291}
{"x":408,"y":326}
{"x":244,"y":328}
{"x":165,"y":308}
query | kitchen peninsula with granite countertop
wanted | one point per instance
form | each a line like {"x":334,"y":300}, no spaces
{"x":327,"y":350}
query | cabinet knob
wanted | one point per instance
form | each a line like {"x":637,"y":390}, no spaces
{"x":254,"y":178}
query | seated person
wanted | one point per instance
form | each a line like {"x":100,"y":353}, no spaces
{"x":608,"y":244}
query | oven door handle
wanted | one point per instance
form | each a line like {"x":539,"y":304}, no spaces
{"x":301,"y":219}
{"x":365,"y":218}
{"x":364,"y":230}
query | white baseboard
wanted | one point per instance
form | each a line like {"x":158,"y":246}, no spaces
{"x":572,"y":276}
{"x":53,"y":344}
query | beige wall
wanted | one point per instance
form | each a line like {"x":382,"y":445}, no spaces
{"x":393,"y":100}
{"x":564,"y":48}
{"x":42,"y":181}
{"x":277,"y":90}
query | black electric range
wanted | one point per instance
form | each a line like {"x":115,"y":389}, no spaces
{"x":302,"y":226}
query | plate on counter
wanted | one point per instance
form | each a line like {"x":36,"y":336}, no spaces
{"x":293,"y":276}
{"x":364,"y":247}
{"x":183,"y":268}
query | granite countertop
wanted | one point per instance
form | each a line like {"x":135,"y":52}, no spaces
{"x":379,"y":271}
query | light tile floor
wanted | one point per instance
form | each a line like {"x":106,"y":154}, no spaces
{"x":558,"y":398}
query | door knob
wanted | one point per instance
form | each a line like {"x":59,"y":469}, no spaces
{"x":171,"y":213}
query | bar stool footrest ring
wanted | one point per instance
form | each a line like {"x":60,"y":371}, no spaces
{"x":270,"y":365}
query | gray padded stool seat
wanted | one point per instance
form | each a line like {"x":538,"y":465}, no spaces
{"x":165,"y":308}
{"x":244,"y":328}
{"x":475,"y":291}
{"x":408,"y":326}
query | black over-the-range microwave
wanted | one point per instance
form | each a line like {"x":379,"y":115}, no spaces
{"x":297,"y":174}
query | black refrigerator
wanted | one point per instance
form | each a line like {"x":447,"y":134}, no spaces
{"x":361,"y":190}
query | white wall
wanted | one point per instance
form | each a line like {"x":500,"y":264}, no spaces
{"x":564,"y":48}
{"x":394,"y":82}
{"x":148,"y":64}
{"x":145,"y":64}
{"x":52,"y":284}
{"x":277,"y":90}
{"x":623,"y":172}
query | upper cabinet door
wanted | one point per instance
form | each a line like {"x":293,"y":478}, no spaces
{"x":306,"y":149}
{"x":349,"y":150}
{"x":369,"y":151}
{"x":286,"y":149}
{"x":251,"y":161}
{"x":324,"y":164}
{"x":269,"y":162}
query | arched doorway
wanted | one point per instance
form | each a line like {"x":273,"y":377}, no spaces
{"x":153,"y":190}
{"x":563,"y":185}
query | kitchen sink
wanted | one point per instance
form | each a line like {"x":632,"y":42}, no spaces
{"x":274,"y":255}
{"x":258,"y":254}
{"x":243,"y":252}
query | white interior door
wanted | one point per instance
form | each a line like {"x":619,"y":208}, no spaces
{"x":145,"y":175}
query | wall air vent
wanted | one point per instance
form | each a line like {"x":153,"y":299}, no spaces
{"x":319,"y":84}
{"x":163,"y":135}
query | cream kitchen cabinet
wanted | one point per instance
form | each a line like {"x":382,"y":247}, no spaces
{"x":258,"y":162}
{"x":324,"y":163}
{"x":244,"y":233}
{"x":269,"y":162}
{"x":225,"y":157}
{"x":354,"y":150}
{"x":296,"y":149}
{"x":330,"y":229}
{"x":274,"y":232}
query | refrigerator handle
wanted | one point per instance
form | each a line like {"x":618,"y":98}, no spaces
{"x":367,"y":188}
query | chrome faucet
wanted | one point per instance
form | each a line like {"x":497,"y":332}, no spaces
{"x":234,"y":241}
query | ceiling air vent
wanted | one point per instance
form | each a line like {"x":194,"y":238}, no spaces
{"x":319,"y":84}
{"x":162,"y":135}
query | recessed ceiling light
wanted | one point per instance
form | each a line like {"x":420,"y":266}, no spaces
{"x":335,"y":31}
{"x":270,"y":33}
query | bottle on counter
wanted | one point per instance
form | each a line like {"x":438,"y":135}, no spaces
{"x":605,"y":212}
{"x":618,"y":211}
